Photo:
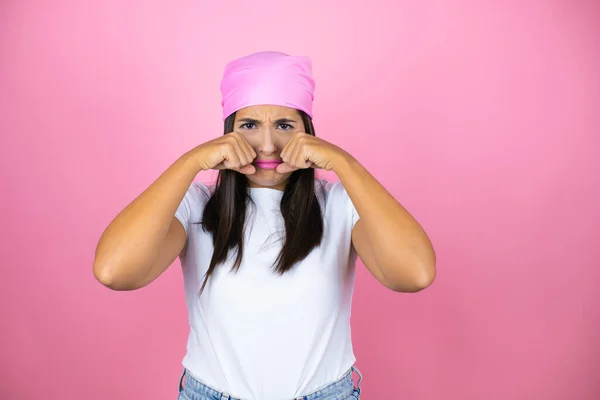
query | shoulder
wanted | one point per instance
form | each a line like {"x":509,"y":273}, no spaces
{"x":195,"y":198}
{"x":330,"y":191}
{"x":336,"y":201}
{"x":199,"y":192}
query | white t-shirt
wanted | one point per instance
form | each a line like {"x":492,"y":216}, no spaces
{"x":255,"y":334}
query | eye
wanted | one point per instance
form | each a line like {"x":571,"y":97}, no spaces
{"x":247,"y":125}
{"x":286,"y":127}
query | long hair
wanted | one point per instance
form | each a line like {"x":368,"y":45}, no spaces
{"x":225,"y":214}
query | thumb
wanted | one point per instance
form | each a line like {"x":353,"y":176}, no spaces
{"x":247,"y":169}
{"x":284,"y":168}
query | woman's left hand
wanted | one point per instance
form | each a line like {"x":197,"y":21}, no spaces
{"x":307,"y":151}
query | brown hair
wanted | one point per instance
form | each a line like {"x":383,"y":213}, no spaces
{"x":225,"y":213}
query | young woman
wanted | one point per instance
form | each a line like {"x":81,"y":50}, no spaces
{"x":268,"y":253}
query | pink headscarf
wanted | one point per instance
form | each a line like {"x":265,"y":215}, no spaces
{"x":268,"y":77}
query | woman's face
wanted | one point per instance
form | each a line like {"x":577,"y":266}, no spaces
{"x":268,"y":129}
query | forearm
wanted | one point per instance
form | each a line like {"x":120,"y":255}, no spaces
{"x":130,"y":242}
{"x":398,"y":243}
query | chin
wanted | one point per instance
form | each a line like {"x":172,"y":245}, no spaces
{"x":267,"y":178}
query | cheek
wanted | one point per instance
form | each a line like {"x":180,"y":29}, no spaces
{"x":283,"y":140}
{"x":251,"y":139}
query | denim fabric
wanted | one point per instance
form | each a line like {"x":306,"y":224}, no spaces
{"x":343,"y":389}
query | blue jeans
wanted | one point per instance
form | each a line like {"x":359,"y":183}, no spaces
{"x":342,"y":389}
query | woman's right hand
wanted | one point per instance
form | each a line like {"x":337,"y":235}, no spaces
{"x":229,"y":151}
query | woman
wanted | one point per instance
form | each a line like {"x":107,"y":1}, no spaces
{"x":268,"y":253}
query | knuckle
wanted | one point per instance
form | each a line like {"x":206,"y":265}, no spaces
{"x":231,"y":138}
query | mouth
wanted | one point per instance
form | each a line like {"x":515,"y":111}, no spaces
{"x":270,"y":164}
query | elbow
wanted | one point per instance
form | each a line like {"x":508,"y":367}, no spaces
{"x":424,"y":279}
{"x":410,"y":287}
{"x":105,"y":276}
{"x":420,"y":279}
{"x":109,"y":278}
{"x":424,"y":272}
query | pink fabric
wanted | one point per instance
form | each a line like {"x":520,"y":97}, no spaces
{"x":268,"y":77}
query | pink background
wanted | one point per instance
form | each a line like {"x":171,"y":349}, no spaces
{"x":482,"y":119}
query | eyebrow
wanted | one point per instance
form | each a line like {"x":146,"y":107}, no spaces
{"x":257,"y":122}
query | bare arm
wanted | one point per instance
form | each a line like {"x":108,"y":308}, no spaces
{"x":145,"y":238}
{"x":390,"y":242}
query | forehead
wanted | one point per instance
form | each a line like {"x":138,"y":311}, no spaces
{"x":267,"y":112}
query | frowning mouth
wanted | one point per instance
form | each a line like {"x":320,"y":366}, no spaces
{"x":269,"y":164}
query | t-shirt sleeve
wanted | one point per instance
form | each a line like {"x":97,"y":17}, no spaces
{"x":354,"y":214}
{"x":339,"y":191}
{"x":192,"y":206}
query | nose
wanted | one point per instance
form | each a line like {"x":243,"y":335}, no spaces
{"x":267,"y":143}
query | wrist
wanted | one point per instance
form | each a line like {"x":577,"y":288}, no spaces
{"x":342,"y":162}
{"x":193,"y":160}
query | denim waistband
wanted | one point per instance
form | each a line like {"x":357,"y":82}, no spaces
{"x":340,"y":389}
